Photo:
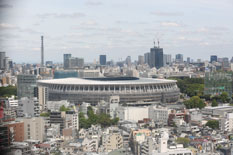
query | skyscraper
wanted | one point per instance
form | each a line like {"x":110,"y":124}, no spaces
{"x":188,"y":60}
{"x":2,"y":57}
{"x":213,"y":58}
{"x":179,"y":58}
{"x":167,"y":59}
{"x":147,"y":58}
{"x":103,"y":59}
{"x":140,"y":59}
{"x":156,"y":57}
{"x":42,"y":51}
{"x":66,"y":60}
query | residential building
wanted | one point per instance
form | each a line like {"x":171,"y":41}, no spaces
{"x":34,"y":128}
{"x":28,"y":107}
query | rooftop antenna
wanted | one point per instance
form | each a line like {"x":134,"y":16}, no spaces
{"x":154,"y":43}
{"x":158,"y":43}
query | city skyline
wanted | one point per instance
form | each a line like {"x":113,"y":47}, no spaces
{"x":118,"y":29}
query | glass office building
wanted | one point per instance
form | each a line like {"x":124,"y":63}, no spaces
{"x":26,"y":85}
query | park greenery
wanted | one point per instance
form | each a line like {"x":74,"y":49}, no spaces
{"x":214,"y":124}
{"x":191,"y":86}
{"x":102,"y":119}
{"x":194,"y":102}
{"x":184,"y":141}
{"x":8,"y":91}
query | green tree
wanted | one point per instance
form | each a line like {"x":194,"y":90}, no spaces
{"x":8,"y":91}
{"x":103,"y":119}
{"x":214,"y":124}
{"x":184,"y":141}
{"x":63,"y":108}
{"x":224,"y":97}
{"x":194,"y":102}
{"x":45,"y":114}
{"x":214,"y":103}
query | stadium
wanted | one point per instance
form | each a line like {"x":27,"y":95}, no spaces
{"x":129,"y":89}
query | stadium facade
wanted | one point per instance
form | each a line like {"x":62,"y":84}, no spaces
{"x":129,"y":89}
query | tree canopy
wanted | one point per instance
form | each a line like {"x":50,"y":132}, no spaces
{"x":191,"y":86}
{"x":184,"y":141}
{"x":8,"y":91}
{"x":194,"y":102}
{"x":214,"y":103}
{"x":103,"y":119}
{"x":214,"y":124}
{"x":63,"y":108}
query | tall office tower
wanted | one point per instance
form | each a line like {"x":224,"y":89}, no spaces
{"x":232,"y":60}
{"x":2,"y":57}
{"x":225,"y":63}
{"x":147,"y":58}
{"x":6,"y":63}
{"x":140,"y":59}
{"x":188,"y":60}
{"x":42,"y":51}
{"x":167,"y":59}
{"x":66,"y":60}
{"x":179,"y":58}
{"x":103,"y":59}
{"x":213,"y":58}
{"x":26,"y":85}
{"x":156,"y":57}
{"x":75,"y":62}
{"x":128,"y":60}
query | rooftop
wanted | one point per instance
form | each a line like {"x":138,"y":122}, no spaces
{"x":104,"y":81}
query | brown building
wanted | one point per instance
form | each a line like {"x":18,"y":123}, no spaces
{"x":16,"y":131}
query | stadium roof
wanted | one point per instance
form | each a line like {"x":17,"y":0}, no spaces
{"x":79,"y":81}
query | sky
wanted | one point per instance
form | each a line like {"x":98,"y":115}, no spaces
{"x":117,"y":28}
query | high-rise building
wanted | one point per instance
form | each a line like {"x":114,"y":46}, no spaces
{"x":128,"y":60}
{"x":42,"y":97}
{"x":75,"y":62}
{"x":140,"y":59}
{"x":2,"y":58}
{"x":167,"y":59}
{"x":103,"y":59}
{"x":66,"y":60}
{"x":213,"y":58}
{"x":188,"y":60}
{"x":42,"y":51}
{"x":179,"y":58}
{"x":26,"y":85}
{"x":225,"y":63}
{"x":156,"y":57}
{"x":147,"y":58}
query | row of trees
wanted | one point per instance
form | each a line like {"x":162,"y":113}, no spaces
{"x":103,"y":119}
{"x":8,"y":91}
